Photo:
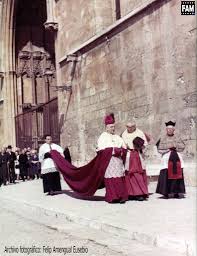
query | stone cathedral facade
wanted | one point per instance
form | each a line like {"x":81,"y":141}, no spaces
{"x":64,"y":64}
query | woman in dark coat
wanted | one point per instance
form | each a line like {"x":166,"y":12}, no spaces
{"x":34,"y":164}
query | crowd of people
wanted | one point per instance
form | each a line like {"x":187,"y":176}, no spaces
{"x":18,"y":164}
{"x":118,"y":166}
{"x":21,"y":164}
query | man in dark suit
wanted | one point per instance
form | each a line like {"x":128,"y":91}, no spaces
{"x":11,"y":168}
{"x":4,"y":166}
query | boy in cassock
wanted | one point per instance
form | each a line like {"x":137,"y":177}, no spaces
{"x":49,"y":171}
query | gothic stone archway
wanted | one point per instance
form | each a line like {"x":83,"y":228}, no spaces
{"x":29,"y":59}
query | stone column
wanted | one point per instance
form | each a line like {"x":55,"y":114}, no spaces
{"x":8,"y":60}
{"x":9,"y":108}
{"x":51,"y":22}
{"x":1,"y":107}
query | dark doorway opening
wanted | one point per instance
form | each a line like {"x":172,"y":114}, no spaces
{"x":35,"y":98}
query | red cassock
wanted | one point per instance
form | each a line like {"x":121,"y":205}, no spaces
{"x":136,"y":179}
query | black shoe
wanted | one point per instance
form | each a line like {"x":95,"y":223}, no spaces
{"x":139,"y":198}
{"x":132,"y":198}
{"x":115,"y":201}
{"x":122,"y":201}
{"x":178,"y":196}
{"x":51,"y":193}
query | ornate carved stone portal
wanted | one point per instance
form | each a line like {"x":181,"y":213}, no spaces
{"x":35,"y":74}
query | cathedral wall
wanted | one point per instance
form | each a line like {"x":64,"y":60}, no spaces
{"x":146,"y":70}
{"x":127,"y":6}
{"x":80,"y":20}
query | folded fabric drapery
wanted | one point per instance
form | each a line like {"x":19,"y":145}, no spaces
{"x":174,"y":166}
{"x":87,"y":179}
{"x":135,"y":165}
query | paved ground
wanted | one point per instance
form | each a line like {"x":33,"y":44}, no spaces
{"x":157,"y":222}
{"x":22,"y":236}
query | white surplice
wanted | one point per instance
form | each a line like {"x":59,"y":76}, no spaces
{"x":115,"y":168}
{"x":48,"y":165}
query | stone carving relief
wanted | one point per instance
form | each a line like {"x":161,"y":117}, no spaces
{"x":38,"y":69}
{"x":35,"y":64}
{"x":49,"y":64}
{"x":24,"y":66}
